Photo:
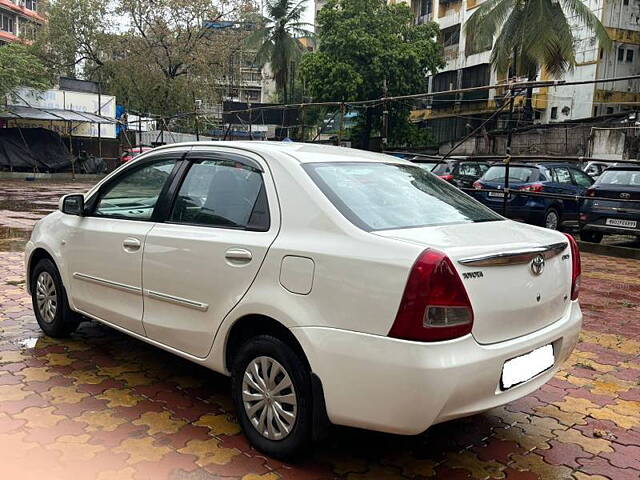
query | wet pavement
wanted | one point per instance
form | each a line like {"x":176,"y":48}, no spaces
{"x":101,"y":405}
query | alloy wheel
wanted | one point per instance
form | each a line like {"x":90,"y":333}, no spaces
{"x":551,"y":221}
{"x":46,"y":297}
{"x":269,"y":398}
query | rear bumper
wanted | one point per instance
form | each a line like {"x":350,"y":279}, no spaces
{"x":403,"y":387}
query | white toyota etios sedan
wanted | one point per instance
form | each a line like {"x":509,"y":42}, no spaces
{"x":333,"y":285}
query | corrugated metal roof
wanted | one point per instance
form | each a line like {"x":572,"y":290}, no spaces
{"x":52,"y":114}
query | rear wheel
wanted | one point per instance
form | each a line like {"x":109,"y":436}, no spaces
{"x":49,"y":300}
{"x":271,"y":389}
{"x":593,"y":237}
{"x":552,"y":219}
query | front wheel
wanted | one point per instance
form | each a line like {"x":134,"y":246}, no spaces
{"x":593,"y":237}
{"x":271,"y":389}
{"x":49,"y":300}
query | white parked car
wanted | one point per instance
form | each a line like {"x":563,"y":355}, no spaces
{"x":333,"y":285}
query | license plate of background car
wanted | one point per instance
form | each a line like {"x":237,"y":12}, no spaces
{"x":616,"y":222}
{"x":496,"y":194}
{"x":525,"y":367}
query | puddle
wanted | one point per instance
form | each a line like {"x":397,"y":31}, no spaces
{"x":28,"y":343}
{"x":22,"y":204}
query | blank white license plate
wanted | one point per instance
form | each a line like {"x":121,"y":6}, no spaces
{"x":616,"y":222}
{"x":525,"y":367}
{"x":496,"y":194}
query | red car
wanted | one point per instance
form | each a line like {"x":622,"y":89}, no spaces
{"x":131,"y":153}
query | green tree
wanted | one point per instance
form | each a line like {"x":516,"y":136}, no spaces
{"x":276,"y":41}
{"x":530,"y":35}
{"x":20,"y":67}
{"x":367,"y":50}
{"x":74,"y":36}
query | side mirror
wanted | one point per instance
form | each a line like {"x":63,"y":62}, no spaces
{"x":72,"y":204}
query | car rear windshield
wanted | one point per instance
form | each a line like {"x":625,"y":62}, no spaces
{"x":620,"y":177}
{"x":516,"y":174}
{"x":384,"y":196}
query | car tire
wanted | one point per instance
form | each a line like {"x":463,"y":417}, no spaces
{"x":551,"y":219}
{"x":49,"y":299}
{"x":593,"y":237}
{"x":253,"y":381}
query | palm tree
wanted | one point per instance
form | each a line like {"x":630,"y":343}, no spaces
{"x":531,"y":35}
{"x":277,"y":42}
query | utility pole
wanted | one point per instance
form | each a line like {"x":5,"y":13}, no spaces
{"x":341,"y":130}
{"x":250,"y":122}
{"x":385,"y":115}
{"x":302,"y":121}
{"x":507,"y":159}
{"x":197,"y":105}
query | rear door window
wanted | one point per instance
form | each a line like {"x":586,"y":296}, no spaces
{"x":561,"y":175}
{"x":381,"y":196}
{"x":224,"y":194}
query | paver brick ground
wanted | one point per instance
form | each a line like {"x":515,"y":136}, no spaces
{"x":101,"y":405}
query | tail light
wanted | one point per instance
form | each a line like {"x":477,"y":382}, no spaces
{"x":591,"y":192}
{"x":435,"y":305}
{"x":477,"y":185}
{"x":534,"y":187}
{"x":576,"y":267}
{"x":448,"y":178}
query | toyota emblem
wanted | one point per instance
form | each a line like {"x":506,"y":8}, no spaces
{"x":537,"y":265}
{"x":625,"y":195}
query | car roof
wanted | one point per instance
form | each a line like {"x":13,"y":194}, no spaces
{"x":303,"y":152}
{"x":538,"y":165}
{"x":625,"y":167}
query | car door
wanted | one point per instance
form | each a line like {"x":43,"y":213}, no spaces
{"x":103,"y":251}
{"x":202,"y":259}
{"x":564,"y":185}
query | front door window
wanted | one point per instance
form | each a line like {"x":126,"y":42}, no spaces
{"x":134,"y":195}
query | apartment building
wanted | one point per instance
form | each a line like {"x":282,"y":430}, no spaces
{"x":243,"y":80}
{"x":452,"y":116}
{"x":19,"y":19}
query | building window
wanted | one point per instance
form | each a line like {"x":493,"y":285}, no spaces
{"x":554,"y":113}
{"x":609,"y":110}
{"x":621,"y":54}
{"x":629,"y":56}
{"x":31,"y":4}
{"x":426,"y":7}
{"x":625,"y":2}
{"x":7,"y":23}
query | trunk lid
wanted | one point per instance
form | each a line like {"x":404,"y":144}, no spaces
{"x":508,"y":300}
{"x":616,"y":192}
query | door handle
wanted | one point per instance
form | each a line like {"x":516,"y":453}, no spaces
{"x":131,"y":244}
{"x":238,"y":255}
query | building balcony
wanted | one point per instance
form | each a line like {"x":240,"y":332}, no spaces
{"x":422,"y":19}
{"x":22,"y":11}
{"x":7,"y":37}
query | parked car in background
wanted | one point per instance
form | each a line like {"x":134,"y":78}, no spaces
{"x":595,"y":168}
{"x":331,"y":284}
{"x":558,"y":178}
{"x":600,"y":216}
{"x":461,"y":173}
{"x":131,"y":153}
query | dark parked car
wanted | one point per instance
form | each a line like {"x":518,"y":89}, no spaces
{"x":615,"y":216}
{"x":461,"y":173}
{"x":559,"y":178}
